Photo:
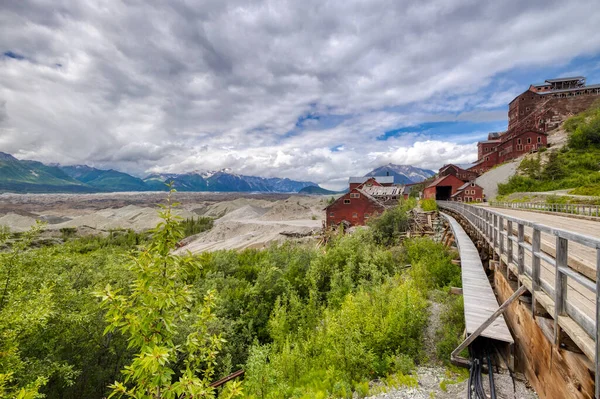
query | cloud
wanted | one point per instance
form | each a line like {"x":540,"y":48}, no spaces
{"x":172,"y":86}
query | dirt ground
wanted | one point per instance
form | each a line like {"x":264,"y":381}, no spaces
{"x":242,"y":220}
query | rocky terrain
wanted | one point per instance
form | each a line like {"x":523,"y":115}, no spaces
{"x":242,"y":220}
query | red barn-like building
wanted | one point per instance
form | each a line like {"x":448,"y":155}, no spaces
{"x":354,"y":208}
{"x":468,"y":192}
{"x":442,"y":188}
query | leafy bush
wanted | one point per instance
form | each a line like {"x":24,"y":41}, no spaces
{"x":432,"y":265}
{"x":452,"y":326}
{"x":429,"y":205}
{"x":192,"y":226}
{"x":592,"y":189}
{"x":387,"y":228}
{"x":167,"y":364}
{"x":375,"y":332}
{"x":584,"y":129}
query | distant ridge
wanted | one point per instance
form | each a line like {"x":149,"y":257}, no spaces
{"x":317,"y":190}
{"x":35,"y":177}
{"x":403,"y":174}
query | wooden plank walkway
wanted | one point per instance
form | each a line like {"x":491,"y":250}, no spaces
{"x":479,"y":298}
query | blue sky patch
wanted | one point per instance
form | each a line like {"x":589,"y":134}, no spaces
{"x":12,"y":54}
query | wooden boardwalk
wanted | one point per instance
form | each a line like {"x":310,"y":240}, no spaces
{"x":479,"y":298}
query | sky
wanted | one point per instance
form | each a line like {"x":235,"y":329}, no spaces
{"x":313,"y":90}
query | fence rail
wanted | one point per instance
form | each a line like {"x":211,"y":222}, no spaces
{"x":567,"y":294}
{"x":573,"y":209}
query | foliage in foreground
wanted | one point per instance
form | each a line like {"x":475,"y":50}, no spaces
{"x":167,"y":364}
{"x":281,"y":310}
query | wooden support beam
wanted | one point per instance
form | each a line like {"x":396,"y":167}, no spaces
{"x":489,"y":321}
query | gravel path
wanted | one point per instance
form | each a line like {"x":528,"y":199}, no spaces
{"x":430,"y":386}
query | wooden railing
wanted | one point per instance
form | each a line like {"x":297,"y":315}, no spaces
{"x":564,"y":280}
{"x":573,"y":209}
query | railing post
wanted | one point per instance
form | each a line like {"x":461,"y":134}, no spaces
{"x":560,"y":285}
{"x":500,"y":237}
{"x":509,"y":243}
{"x":520,"y":249}
{"x":597,"y":321}
{"x":535,"y":264}
{"x":495,"y":230}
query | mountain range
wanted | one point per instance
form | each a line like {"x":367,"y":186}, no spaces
{"x":23,"y":176}
{"x":403,"y":174}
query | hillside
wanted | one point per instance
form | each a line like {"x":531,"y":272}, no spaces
{"x":403,"y":174}
{"x":22,"y":176}
{"x":316,"y":190}
{"x":574,"y":166}
{"x":35,"y":177}
{"x":105,"y":180}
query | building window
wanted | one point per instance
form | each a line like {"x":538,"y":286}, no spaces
{"x":487,"y":158}
{"x":346,"y":201}
{"x":528,"y":140}
{"x":539,"y":139}
{"x":518,"y":141}
{"x":366,"y":215}
{"x":354,"y":195}
{"x":331,"y":214}
{"x":354,"y":215}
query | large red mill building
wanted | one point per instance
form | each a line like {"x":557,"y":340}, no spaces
{"x":368,"y":197}
{"x":531,"y":115}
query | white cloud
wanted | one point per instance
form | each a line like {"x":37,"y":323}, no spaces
{"x":175,"y":86}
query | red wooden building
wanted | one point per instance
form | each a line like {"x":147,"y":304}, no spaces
{"x":442,"y":188}
{"x":354,"y":208}
{"x":457,"y":171}
{"x":468,"y":192}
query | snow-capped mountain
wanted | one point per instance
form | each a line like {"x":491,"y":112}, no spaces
{"x":403,"y":174}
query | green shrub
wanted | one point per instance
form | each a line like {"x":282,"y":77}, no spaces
{"x":192,"y":226}
{"x":387,"y":228}
{"x":432,"y":265}
{"x":429,"y":205}
{"x":452,"y":326}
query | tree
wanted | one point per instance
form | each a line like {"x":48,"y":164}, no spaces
{"x":554,"y":169}
{"x":22,"y":311}
{"x":167,"y":364}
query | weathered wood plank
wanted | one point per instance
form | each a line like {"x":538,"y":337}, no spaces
{"x":479,"y":298}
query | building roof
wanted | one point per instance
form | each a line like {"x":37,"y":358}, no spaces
{"x":378,"y":179}
{"x":545,"y":93}
{"x":383,"y":191}
{"x":567,"y":79}
{"x":489,"y":141}
{"x":358,"y":190}
{"x":440,"y":179}
{"x":370,"y":197}
{"x":541,"y":84}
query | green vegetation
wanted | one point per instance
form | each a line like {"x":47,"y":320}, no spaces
{"x":121,"y":316}
{"x":192,"y":226}
{"x":429,"y":205}
{"x":575,"y":166}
